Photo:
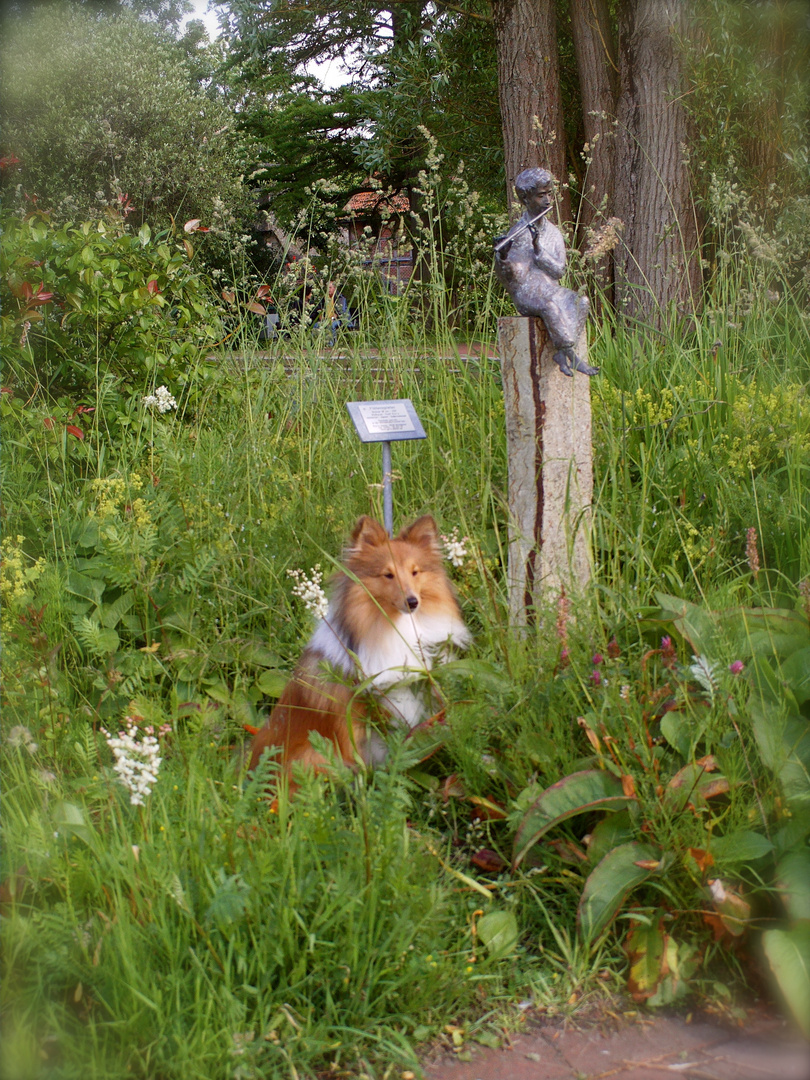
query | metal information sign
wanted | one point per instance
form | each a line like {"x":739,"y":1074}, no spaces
{"x":386,"y":422}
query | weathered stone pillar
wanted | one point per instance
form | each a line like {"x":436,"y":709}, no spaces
{"x":548,"y":438}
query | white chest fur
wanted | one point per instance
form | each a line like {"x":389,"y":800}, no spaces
{"x":399,"y":653}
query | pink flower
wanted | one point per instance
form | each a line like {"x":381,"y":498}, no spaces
{"x":668,"y":654}
{"x":736,"y":667}
{"x":597,"y":659}
{"x":596,"y":677}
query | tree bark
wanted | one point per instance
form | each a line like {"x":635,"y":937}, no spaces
{"x":597,"y":65}
{"x":529,"y":93}
{"x":657,"y":262}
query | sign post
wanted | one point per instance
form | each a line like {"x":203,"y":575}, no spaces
{"x":386,"y":422}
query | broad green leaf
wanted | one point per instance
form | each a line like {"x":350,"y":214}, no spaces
{"x":499,"y":932}
{"x":676,"y":730}
{"x":788,"y":953}
{"x":88,"y":588}
{"x":793,"y":882}
{"x":610,"y":832}
{"x":610,"y":882}
{"x":740,"y":847}
{"x":112,"y":614}
{"x":645,"y":949}
{"x":254,"y":652}
{"x":692,"y":622}
{"x":272,"y":683}
{"x":796,"y":673}
{"x":108,"y":640}
{"x":219,"y":692}
{"x":69,"y":819}
{"x":579,"y":793}
{"x":766,"y":632}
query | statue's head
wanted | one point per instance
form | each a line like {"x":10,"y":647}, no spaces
{"x":532,"y":183}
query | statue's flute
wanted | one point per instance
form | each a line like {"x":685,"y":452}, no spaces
{"x":523,"y":228}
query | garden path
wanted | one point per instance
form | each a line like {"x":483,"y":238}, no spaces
{"x":649,"y":1049}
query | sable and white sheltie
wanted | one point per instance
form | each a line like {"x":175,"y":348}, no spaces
{"x":392,"y":613}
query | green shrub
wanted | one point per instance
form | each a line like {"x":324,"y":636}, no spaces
{"x":85,"y":302}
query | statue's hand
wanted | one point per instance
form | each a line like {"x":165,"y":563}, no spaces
{"x":502,"y":246}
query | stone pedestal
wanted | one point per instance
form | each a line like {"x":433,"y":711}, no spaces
{"x":548,"y":436}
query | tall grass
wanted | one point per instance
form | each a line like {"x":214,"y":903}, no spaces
{"x":203,"y":935}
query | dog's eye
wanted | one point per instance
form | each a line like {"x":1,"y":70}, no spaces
{"x":388,"y":575}
{"x":415,"y":572}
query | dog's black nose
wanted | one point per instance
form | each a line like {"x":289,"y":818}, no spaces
{"x":412,"y":602}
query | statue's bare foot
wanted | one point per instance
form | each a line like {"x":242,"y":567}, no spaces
{"x":561,"y":360}
{"x":586,"y":369}
{"x":568,"y":362}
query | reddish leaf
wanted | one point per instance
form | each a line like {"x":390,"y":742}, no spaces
{"x":249,"y":728}
{"x":152,"y":287}
{"x":488,"y":860}
{"x":48,"y":421}
{"x":704,"y":859}
{"x":452,"y":787}
{"x":228,"y":297}
{"x":262,"y":292}
{"x":257,"y":309}
{"x":192,"y":225}
{"x":76,"y":431}
{"x":707,"y":763}
{"x":648,"y":864}
{"x":85,"y":409}
{"x":7,"y":390}
{"x":189,"y":249}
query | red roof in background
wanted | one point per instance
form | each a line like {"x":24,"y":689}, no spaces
{"x":377,"y":200}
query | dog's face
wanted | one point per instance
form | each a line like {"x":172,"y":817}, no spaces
{"x":400,"y":574}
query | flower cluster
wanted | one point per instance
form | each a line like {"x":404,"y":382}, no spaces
{"x":21,"y":737}
{"x":310,"y":590}
{"x":455,"y":547}
{"x":161,"y":400}
{"x":137,"y":761}
{"x":17,"y":575}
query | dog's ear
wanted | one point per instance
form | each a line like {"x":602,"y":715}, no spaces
{"x":367,"y":533}
{"x":424,"y":533}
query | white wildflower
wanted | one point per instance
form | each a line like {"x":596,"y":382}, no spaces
{"x":455,"y":547}
{"x":161,"y":400}
{"x":137,"y":761}
{"x":717,"y":890}
{"x":309,"y":589}
{"x":22,"y":738}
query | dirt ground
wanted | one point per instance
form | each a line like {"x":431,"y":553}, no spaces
{"x":647,"y":1048}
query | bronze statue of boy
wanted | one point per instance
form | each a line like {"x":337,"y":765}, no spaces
{"x":529,"y":262}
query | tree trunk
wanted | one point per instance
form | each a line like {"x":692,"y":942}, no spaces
{"x":529,"y":93}
{"x":657,"y":263}
{"x":598,"y":70}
